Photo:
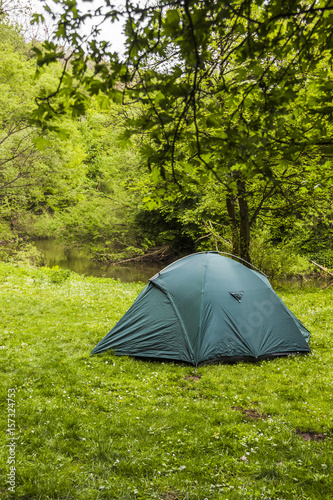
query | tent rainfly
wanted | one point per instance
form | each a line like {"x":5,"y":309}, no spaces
{"x":205,"y":308}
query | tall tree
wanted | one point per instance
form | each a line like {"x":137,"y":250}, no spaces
{"x":37,"y":167}
{"x":230,"y":90}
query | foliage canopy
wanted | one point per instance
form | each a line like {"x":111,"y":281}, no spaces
{"x":229,"y":102}
{"x":230,"y":91}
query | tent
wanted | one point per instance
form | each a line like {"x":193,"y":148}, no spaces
{"x":203,"y":308}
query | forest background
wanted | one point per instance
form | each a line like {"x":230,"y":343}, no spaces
{"x":83,"y":178}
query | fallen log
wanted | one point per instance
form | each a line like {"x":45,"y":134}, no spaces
{"x":157,"y":254}
{"x":322,"y":268}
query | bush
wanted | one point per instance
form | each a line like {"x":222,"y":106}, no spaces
{"x":323,"y":257}
{"x":277,"y":261}
{"x":57,"y":275}
{"x":5,"y":231}
{"x":22,"y":253}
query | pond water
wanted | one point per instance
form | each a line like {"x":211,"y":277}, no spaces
{"x":76,"y":260}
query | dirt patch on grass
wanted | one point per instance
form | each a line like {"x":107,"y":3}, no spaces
{"x":172,"y":495}
{"x":193,"y":377}
{"x":255,"y":415}
{"x":310,"y":435}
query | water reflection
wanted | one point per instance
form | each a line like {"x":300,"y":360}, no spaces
{"x":76,"y":260}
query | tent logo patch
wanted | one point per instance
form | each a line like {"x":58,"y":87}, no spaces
{"x":237,"y":295}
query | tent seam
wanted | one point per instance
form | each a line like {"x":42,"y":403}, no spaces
{"x":201,"y":309}
{"x":181,"y":325}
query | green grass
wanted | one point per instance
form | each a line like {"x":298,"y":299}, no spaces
{"x":107,"y":427}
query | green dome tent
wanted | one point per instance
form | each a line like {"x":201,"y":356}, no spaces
{"x":203,"y":308}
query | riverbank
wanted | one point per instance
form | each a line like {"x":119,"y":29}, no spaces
{"x":114,"y":427}
{"x":47,"y":252}
{"x":51,"y":253}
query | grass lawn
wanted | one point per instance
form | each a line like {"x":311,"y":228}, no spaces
{"x":107,"y":427}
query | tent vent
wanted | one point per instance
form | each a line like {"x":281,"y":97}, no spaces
{"x":237,"y":295}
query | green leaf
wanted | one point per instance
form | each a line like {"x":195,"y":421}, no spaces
{"x":41,"y":143}
{"x":159,"y":97}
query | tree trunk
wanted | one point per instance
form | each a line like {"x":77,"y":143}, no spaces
{"x":244,"y":221}
{"x":234,"y":226}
